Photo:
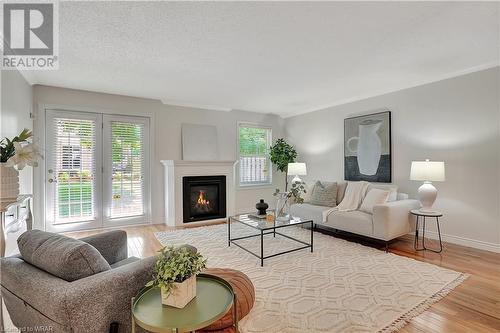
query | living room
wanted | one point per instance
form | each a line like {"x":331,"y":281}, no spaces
{"x":331,"y":166}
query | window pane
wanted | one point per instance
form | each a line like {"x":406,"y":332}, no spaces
{"x":127,"y":159}
{"x":75,"y":168}
{"x":254,"y":161}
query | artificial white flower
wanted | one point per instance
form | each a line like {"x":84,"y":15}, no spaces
{"x":26,"y":155}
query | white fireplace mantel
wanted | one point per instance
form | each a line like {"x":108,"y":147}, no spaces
{"x":175,"y":170}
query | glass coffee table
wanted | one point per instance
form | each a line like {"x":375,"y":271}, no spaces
{"x":264,"y":228}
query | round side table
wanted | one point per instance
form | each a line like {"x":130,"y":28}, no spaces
{"x":214,"y":298}
{"x":422,"y":214}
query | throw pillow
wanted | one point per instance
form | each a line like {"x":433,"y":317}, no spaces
{"x":324,"y":194}
{"x":67,"y":258}
{"x":309,"y":189}
{"x":374,"y":197}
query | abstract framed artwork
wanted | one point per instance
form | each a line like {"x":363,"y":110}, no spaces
{"x":367,"y":148}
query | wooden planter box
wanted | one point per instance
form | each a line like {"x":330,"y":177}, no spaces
{"x":181,"y":294}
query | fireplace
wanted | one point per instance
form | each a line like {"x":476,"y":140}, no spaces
{"x":203,"y":198}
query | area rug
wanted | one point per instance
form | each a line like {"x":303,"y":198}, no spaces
{"x":341,"y":287}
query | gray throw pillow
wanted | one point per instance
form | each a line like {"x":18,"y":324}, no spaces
{"x":67,"y":258}
{"x":324,"y":194}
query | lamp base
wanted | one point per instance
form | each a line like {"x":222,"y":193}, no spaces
{"x":427,"y":194}
{"x":296,"y":179}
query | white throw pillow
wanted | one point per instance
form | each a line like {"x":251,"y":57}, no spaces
{"x":393,"y":190}
{"x":374,"y":197}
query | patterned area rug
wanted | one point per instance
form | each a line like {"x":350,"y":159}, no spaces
{"x":341,"y":287}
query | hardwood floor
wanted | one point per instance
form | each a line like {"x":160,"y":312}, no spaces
{"x":474,"y":306}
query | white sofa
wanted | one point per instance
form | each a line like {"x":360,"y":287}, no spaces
{"x":388,"y":221}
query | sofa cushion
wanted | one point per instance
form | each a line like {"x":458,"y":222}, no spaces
{"x":357,"y":222}
{"x":308,"y":211}
{"x":341,"y":187}
{"x":309,"y":188}
{"x":393,"y":190}
{"x":374,"y":197}
{"x":324,"y":194}
{"x":124,"y":262}
{"x":67,"y":258}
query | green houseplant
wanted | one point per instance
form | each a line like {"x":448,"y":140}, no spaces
{"x":282,"y":153}
{"x":175,"y":274}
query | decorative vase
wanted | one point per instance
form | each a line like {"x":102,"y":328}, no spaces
{"x":181,"y":294}
{"x":9,"y":184}
{"x":282,"y":212}
{"x":262,"y":207}
{"x":369,"y":147}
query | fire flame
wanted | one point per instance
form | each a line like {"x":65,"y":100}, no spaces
{"x":202,"y":200}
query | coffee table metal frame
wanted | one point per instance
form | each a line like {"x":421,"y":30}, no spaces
{"x":191,"y":327}
{"x":269,"y":229}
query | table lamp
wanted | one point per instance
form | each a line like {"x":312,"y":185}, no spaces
{"x":428,"y":172}
{"x":296,"y":169}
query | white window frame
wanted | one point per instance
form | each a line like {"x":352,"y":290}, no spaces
{"x":269,"y":182}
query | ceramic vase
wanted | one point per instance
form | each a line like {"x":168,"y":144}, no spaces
{"x":262,"y":207}
{"x":9,"y":184}
{"x":181,"y":294}
{"x":368,"y":147}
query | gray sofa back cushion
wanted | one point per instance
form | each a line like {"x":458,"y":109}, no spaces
{"x":324,"y":194}
{"x":67,"y":258}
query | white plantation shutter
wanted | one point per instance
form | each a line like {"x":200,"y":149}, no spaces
{"x":255,"y":166}
{"x":127,"y":169}
{"x":126,"y":156}
{"x":74,"y":169}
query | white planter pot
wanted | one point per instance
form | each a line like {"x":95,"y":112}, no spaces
{"x":181,"y":294}
{"x":9,"y":184}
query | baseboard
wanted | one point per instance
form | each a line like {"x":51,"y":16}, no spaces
{"x":481,"y":245}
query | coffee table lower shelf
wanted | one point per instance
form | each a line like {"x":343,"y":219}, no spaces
{"x":269,"y":229}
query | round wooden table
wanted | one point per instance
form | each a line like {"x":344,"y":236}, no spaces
{"x":214,"y":298}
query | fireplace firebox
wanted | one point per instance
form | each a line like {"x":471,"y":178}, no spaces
{"x":203,"y":198}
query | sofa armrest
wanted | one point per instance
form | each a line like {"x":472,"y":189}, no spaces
{"x":96,"y":301}
{"x":392,"y":219}
{"x":42,"y":291}
{"x":112,"y":245}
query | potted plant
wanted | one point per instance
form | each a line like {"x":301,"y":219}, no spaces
{"x":15,"y":154}
{"x":285,"y":199}
{"x":175,"y":274}
{"x":282,"y":153}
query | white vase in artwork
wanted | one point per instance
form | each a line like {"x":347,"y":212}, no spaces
{"x":9,"y":184}
{"x":368,"y":148}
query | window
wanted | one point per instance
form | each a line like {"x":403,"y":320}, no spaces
{"x":97,"y":172}
{"x":255,"y":166}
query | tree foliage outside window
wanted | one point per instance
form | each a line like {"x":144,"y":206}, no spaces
{"x":255,"y":167}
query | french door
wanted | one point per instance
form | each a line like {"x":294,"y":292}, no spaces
{"x":97,"y":170}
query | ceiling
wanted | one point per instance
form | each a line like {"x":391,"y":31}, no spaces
{"x":285,"y":58}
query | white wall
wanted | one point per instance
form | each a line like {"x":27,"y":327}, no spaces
{"x":455,"y":120}
{"x":15,"y":116}
{"x":166,"y":127}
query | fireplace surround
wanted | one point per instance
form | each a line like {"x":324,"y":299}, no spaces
{"x":177,"y":170}
{"x":203,"y":198}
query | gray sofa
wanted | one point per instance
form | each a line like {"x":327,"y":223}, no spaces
{"x":61,"y":284}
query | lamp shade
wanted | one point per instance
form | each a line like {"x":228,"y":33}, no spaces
{"x":427,"y":171}
{"x":297,"y":169}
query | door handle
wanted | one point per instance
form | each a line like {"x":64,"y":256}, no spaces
{"x":52,"y":180}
